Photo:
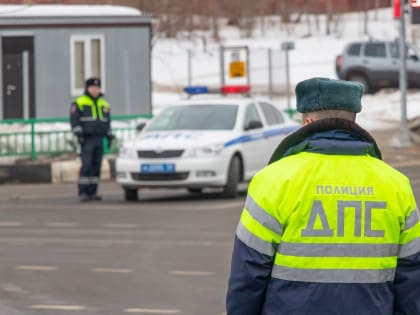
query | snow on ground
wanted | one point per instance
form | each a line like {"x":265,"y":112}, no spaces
{"x":313,"y":56}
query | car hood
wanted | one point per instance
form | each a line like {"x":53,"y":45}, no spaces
{"x":151,"y":140}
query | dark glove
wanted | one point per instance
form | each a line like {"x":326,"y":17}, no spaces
{"x":110,"y":139}
{"x":80,"y":139}
{"x":78,"y":132}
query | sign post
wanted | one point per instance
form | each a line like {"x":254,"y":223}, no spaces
{"x":399,"y":13}
{"x":404,"y":132}
{"x":286,"y":46}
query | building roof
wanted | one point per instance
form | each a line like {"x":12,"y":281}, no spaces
{"x":70,"y":16}
{"x":66,"y":10}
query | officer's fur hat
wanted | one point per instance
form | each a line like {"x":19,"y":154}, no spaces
{"x":93,"y":81}
{"x":318,"y":94}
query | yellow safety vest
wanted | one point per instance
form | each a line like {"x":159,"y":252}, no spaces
{"x":86,"y":101}
{"x":331,"y":218}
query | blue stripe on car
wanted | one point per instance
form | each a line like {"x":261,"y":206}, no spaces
{"x":261,"y":135}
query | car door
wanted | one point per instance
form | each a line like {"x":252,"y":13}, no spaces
{"x":412,"y":64}
{"x":255,"y":143}
{"x":276,"y":128}
{"x":395,"y":62}
{"x":413,"y":67}
{"x":377,"y":60}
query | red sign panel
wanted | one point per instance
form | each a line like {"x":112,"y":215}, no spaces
{"x":397,"y":9}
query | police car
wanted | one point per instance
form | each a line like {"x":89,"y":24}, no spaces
{"x":204,"y":142}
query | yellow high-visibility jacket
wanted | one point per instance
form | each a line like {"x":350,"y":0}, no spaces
{"x":328,"y":228}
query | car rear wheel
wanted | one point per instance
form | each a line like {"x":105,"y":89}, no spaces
{"x":357,"y":77}
{"x":131,"y":194}
{"x":231,"y":188}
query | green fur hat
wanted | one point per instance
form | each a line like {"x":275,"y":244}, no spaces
{"x":318,"y":94}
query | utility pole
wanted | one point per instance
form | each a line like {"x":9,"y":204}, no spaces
{"x":404,"y":132}
{"x":286,"y":46}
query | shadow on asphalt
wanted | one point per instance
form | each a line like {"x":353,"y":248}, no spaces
{"x":167,"y":196}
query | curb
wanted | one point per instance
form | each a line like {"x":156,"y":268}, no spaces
{"x":56,"y":172}
{"x":21,"y":173}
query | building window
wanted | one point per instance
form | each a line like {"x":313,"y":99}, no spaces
{"x":87,"y":60}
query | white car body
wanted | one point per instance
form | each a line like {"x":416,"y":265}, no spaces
{"x":196,"y":159}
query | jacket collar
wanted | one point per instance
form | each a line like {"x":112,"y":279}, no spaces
{"x":86,"y":92}
{"x":328,"y":136}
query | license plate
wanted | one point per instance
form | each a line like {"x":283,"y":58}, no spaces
{"x":158,"y":168}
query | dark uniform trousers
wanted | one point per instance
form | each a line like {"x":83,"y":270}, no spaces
{"x":91,"y":155}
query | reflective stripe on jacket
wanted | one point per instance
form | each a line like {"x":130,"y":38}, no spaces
{"x":324,"y":231}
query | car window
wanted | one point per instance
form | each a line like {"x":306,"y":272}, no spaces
{"x":196,"y":117}
{"x":395,"y":50}
{"x":354,"y":49}
{"x":251,"y":114}
{"x":375,"y":50}
{"x":271,"y":114}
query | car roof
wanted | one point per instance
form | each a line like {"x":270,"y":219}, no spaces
{"x":372,"y":40}
{"x":216,"y":100}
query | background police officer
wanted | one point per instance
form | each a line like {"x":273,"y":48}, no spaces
{"x":327,"y":227}
{"x":90,"y":122}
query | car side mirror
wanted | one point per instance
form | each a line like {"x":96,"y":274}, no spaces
{"x":254,"y":124}
{"x":413,"y":57}
{"x":140,"y":126}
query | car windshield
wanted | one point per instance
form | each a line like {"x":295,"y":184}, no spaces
{"x":196,"y":117}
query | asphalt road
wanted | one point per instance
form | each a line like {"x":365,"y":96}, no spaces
{"x":169,"y":253}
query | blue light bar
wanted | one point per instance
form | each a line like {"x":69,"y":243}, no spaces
{"x":196,"y":89}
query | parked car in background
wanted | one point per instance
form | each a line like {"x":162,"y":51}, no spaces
{"x":199,"y":143}
{"x":376,"y":64}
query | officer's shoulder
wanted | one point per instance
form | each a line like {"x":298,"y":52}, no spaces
{"x":78,"y":98}
{"x":282,"y":166}
{"x":103,"y":99}
{"x":389,"y":172}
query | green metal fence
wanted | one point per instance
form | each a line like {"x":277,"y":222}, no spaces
{"x":53,"y":137}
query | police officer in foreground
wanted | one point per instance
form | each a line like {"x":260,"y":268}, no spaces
{"x":90,"y":122}
{"x":327,"y":226}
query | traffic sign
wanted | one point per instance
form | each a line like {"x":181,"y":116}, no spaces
{"x":397,"y":9}
{"x":237,"y":69}
{"x":235,"y":65}
{"x":287,"y":46}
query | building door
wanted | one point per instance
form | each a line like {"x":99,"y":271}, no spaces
{"x":18,"y":77}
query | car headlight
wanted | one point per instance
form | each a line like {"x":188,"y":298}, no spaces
{"x":127,"y":152}
{"x":211,"y":150}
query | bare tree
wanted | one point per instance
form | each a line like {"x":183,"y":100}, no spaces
{"x":330,"y":15}
{"x":174,"y":16}
{"x":284,"y":10}
{"x":215,"y":12}
{"x":302,"y":8}
{"x":247,"y":11}
{"x":366,"y":18}
{"x":262,"y":11}
{"x":376,"y":4}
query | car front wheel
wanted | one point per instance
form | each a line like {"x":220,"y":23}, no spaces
{"x":231,"y":188}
